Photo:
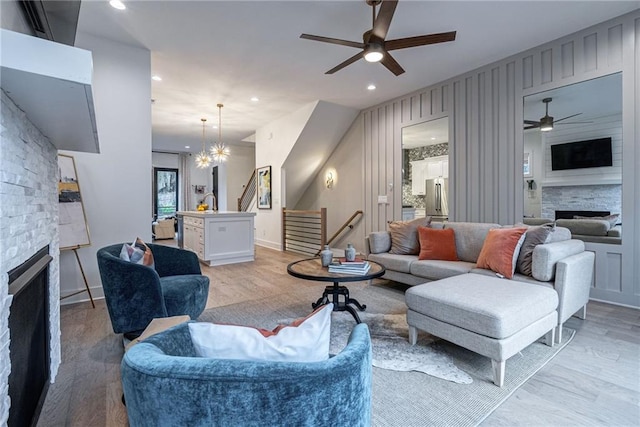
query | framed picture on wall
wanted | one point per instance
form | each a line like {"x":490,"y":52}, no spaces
{"x":526,"y":166}
{"x":263,"y":176}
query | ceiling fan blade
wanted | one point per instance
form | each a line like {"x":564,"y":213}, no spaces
{"x":391,"y":64}
{"x":565,"y":118}
{"x":419,"y":40}
{"x":383,"y":20}
{"x":532,"y":122}
{"x":531,"y":127}
{"x":332,"y":40}
{"x":349,"y":61}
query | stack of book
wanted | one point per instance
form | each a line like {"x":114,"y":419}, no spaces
{"x":341,"y":265}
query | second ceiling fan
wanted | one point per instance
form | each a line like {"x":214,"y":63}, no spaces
{"x":546,"y":123}
{"x":374,"y":46}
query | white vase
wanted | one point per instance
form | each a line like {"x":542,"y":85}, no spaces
{"x":326,"y":256}
{"x":350,"y":253}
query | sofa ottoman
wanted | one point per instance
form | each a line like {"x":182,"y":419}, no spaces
{"x":488,"y":315}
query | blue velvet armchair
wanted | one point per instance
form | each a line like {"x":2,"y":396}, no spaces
{"x":165,"y":384}
{"x":135,"y":294}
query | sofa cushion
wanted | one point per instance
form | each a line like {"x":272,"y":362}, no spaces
{"x":401,"y":263}
{"x":438,"y":269}
{"x":304,"y":340}
{"x":500,"y":250}
{"x":379,"y":242}
{"x":437,"y":244}
{"x":404,"y":236}
{"x":517,"y":277}
{"x":535,"y":236}
{"x":613,"y":219}
{"x":558,"y":234}
{"x":592,"y":227}
{"x":469,"y":238}
{"x":468,"y":301}
{"x":546,"y":256}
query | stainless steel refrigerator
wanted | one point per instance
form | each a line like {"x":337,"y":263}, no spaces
{"x":435,"y":197}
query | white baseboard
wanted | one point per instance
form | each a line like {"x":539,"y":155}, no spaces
{"x":268,"y":244}
{"x":96,"y":292}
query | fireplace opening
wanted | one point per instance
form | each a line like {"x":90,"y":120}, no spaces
{"x":571,"y":214}
{"x":29,"y":338}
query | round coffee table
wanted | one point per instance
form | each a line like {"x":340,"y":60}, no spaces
{"x":312,"y":269}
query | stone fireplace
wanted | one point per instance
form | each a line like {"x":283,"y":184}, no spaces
{"x":598,"y":198}
{"x":28,"y":223}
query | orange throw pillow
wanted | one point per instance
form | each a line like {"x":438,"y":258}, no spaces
{"x":437,"y":244}
{"x":500,"y":250}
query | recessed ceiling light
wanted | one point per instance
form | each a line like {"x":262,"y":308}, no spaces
{"x":187,"y":146}
{"x":433,"y":138}
{"x":371,"y":87}
{"x":117,"y":4}
{"x":156,"y":78}
{"x":255,"y":99}
{"x":214,"y":126}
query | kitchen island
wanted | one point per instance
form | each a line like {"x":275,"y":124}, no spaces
{"x":218,"y":238}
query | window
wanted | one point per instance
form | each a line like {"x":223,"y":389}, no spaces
{"x":165,"y":190}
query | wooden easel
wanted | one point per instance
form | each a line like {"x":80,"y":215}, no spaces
{"x":86,"y":284}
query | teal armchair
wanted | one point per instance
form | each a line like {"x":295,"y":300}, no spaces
{"x":135,"y":294}
{"x":165,"y":384}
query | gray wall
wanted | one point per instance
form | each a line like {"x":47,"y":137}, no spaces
{"x":116,"y":184}
{"x":485,"y":108}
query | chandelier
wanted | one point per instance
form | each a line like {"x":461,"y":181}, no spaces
{"x":203,"y":159}
{"x":219,"y":153}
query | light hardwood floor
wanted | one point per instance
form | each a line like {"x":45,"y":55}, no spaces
{"x":595,"y":380}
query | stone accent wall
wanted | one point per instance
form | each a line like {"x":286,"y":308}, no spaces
{"x":28,"y":222}
{"x":411,"y":155}
{"x":582,"y":198}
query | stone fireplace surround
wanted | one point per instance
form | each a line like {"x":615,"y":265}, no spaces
{"x":604,"y":197}
{"x":28,"y":222}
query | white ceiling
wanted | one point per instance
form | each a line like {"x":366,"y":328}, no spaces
{"x":210,"y":52}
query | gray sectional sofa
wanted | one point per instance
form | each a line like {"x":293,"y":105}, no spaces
{"x":587,"y":230}
{"x":560,"y":263}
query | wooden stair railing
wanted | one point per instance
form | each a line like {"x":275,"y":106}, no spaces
{"x":304,"y":231}
{"x":247,"y":195}
{"x":347,"y":224}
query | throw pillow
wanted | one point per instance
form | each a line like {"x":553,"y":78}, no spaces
{"x":500,"y":250}
{"x":613,"y":219}
{"x":404,"y":236}
{"x":437,"y":244}
{"x":532,"y":238}
{"x":138,"y":252}
{"x":304,"y":340}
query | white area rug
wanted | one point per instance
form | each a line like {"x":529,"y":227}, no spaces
{"x":391,"y":348}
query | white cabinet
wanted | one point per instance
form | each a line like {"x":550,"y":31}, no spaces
{"x":418,"y":169}
{"x":429,"y":168}
{"x":437,"y":167}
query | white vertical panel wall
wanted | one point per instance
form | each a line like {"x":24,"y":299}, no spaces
{"x":485,"y":109}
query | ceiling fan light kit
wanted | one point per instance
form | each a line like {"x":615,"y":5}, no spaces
{"x":374,"y":46}
{"x":374,"y":53}
{"x":546,"y":123}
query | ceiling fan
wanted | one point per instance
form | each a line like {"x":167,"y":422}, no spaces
{"x":374,"y":46}
{"x":547,"y":122}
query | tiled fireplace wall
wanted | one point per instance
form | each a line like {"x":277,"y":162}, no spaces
{"x":28,"y":222}
{"x":582,"y":198}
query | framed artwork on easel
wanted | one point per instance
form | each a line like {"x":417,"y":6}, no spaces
{"x":74,"y":231}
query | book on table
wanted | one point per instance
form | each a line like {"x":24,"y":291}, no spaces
{"x":357,"y":261}
{"x":349,"y":267}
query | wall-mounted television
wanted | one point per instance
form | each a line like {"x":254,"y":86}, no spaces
{"x":592,"y":153}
